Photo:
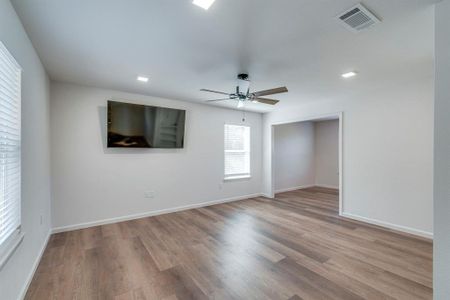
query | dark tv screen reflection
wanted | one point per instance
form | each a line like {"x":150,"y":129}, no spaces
{"x":141,"y":126}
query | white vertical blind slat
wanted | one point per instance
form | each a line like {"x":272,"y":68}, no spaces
{"x":10,"y":102}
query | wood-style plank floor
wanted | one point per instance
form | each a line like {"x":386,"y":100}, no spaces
{"x":294,"y":247}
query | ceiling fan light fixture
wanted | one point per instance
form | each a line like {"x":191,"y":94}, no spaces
{"x":205,"y":4}
{"x":244,"y":86}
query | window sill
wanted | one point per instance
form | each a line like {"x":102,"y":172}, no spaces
{"x":236,"y":178}
{"x":8,"y":250}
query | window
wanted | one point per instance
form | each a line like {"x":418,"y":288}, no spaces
{"x":10,"y":85}
{"x":237,"y":151}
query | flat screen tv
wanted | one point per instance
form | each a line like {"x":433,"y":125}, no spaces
{"x":142,"y":126}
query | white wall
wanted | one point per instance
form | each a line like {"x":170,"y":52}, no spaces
{"x":93,"y":183}
{"x":387,"y":153}
{"x":326,"y":153}
{"x":442,"y":154}
{"x":35,"y":155}
{"x":293,"y":155}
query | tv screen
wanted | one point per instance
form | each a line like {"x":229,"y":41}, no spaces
{"x":141,"y":126}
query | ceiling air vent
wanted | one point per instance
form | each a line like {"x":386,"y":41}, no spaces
{"x":357,"y":18}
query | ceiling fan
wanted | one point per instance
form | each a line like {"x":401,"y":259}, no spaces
{"x":243,"y":93}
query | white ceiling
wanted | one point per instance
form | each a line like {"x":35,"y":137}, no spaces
{"x":183,"y":48}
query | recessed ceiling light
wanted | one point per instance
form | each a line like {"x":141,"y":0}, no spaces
{"x":205,"y":4}
{"x":142,"y":78}
{"x":349,"y":74}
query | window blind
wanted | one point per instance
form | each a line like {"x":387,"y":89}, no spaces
{"x":10,"y":98}
{"x":237,"y":151}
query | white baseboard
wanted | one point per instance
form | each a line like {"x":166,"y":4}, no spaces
{"x":150,"y":213}
{"x":421,"y":233}
{"x":305,"y":187}
{"x":265,"y":195}
{"x":34,"y":268}
{"x":327,"y":186}
{"x":294,"y":188}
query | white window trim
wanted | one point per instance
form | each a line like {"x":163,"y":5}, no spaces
{"x":10,"y":245}
{"x":237,"y":177}
{"x":244,"y":176}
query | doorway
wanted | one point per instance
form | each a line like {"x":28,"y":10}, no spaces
{"x":307,"y":154}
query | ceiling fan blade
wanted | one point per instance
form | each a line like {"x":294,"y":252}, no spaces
{"x":278,"y":90}
{"x":215,"y":100}
{"x":266,"y":101}
{"x":211,"y":91}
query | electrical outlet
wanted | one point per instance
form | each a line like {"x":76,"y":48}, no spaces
{"x":149,"y":194}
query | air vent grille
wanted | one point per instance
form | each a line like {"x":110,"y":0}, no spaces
{"x":358,"y":18}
